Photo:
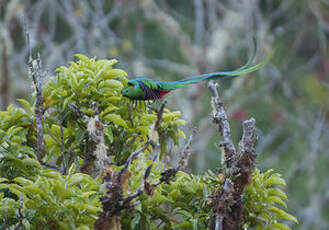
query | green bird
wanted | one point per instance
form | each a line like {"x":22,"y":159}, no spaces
{"x":146,"y":89}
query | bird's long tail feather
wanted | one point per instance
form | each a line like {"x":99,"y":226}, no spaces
{"x":247,"y":68}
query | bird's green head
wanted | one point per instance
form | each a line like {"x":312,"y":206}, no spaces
{"x":133,"y":91}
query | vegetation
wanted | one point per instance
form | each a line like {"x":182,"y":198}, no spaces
{"x":68,"y":195}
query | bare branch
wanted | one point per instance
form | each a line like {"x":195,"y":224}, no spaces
{"x":5,"y":82}
{"x":218,"y":222}
{"x":220,"y":118}
{"x":186,"y":153}
{"x":227,"y":204}
{"x":159,"y":115}
{"x":246,"y":144}
{"x":131,"y":158}
{"x":37,"y":76}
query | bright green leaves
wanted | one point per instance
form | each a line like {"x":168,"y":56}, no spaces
{"x":116,"y":119}
{"x":113,"y":84}
{"x":26,"y":104}
{"x":17,"y":138}
{"x":54,"y":199}
{"x":83,"y":82}
{"x":14,"y":117}
{"x":87,"y":81}
{"x":184,"y":203}
{"x":169,"y":129}
{"x":262,"y":198}
{"x":50,"y":199}
{"x":116,"y":73}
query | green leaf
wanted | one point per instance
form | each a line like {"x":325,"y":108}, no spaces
{"x":106,"y":63}
{"x":83,"y":227}
{"x":274,"y":179}
{"x":56,"y":130}
{"x":88,"y":194}
{"x":15,"y":189}
{"x":181,"y":133}
{"x":26,"y":224}
{"x":72,"y":169}
{"x":13,"y":130}
{"x":109,"y":109}
{"x":77,"y":178}
{"x":63,"y":68}
{"x":52,"y":174}
{"x":265,"y":174}
{"x":67,"y":100}
{"x":2,"y":179}
{"x":109,"y":134}
{"x":134,"y":222}
{"x":277,"y":192}
{"x":79,"y":136}
{"x":26,"y":104}
{"x":82,"y":58}
{"x":185,"y":224}
{"x":116,"y":119}
{"x":282,"y":214}
{"x":184,"y":213}
{"x":113,"y":98}
{"x":23,"y":181}
{"x":31,"y":162}
{"x":278,"y":226}
{"x":89,"y":208}
{"x":115,"y":73}
{"x":35,"y":190}
{"x":275,"y":199}
{"x":113,"y":84}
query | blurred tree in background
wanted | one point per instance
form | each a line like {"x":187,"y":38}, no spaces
{"x":171,"y":40}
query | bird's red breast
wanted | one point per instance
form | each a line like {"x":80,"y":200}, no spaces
{"x":163,"y":93}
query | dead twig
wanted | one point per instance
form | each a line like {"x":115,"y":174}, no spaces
{"x":4,"y":75}
{"x":220,"y":118}
{"x":239,"y":165}
{"x":37,"y":76}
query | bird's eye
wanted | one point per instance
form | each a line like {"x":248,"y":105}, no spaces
{"x":130,"y":84}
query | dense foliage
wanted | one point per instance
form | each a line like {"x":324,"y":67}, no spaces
{"x":35,"y":197}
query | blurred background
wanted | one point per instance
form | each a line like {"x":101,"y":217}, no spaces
{"x":174,"y":39}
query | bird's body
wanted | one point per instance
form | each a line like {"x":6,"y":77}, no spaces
{"x":145,"y":89}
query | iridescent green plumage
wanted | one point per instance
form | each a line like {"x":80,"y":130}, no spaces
{"x":143,"y":88}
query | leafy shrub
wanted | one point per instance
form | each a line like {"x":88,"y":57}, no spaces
{"x":184,"y":203}
{"x":17,"y":140}
{"x":87,"y":81}
{"x":64,"y":198}
{"x":261,"y":199}
{"x":52,"y":201}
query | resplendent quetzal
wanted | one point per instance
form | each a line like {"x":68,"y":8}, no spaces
{"x":145,"y":89}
